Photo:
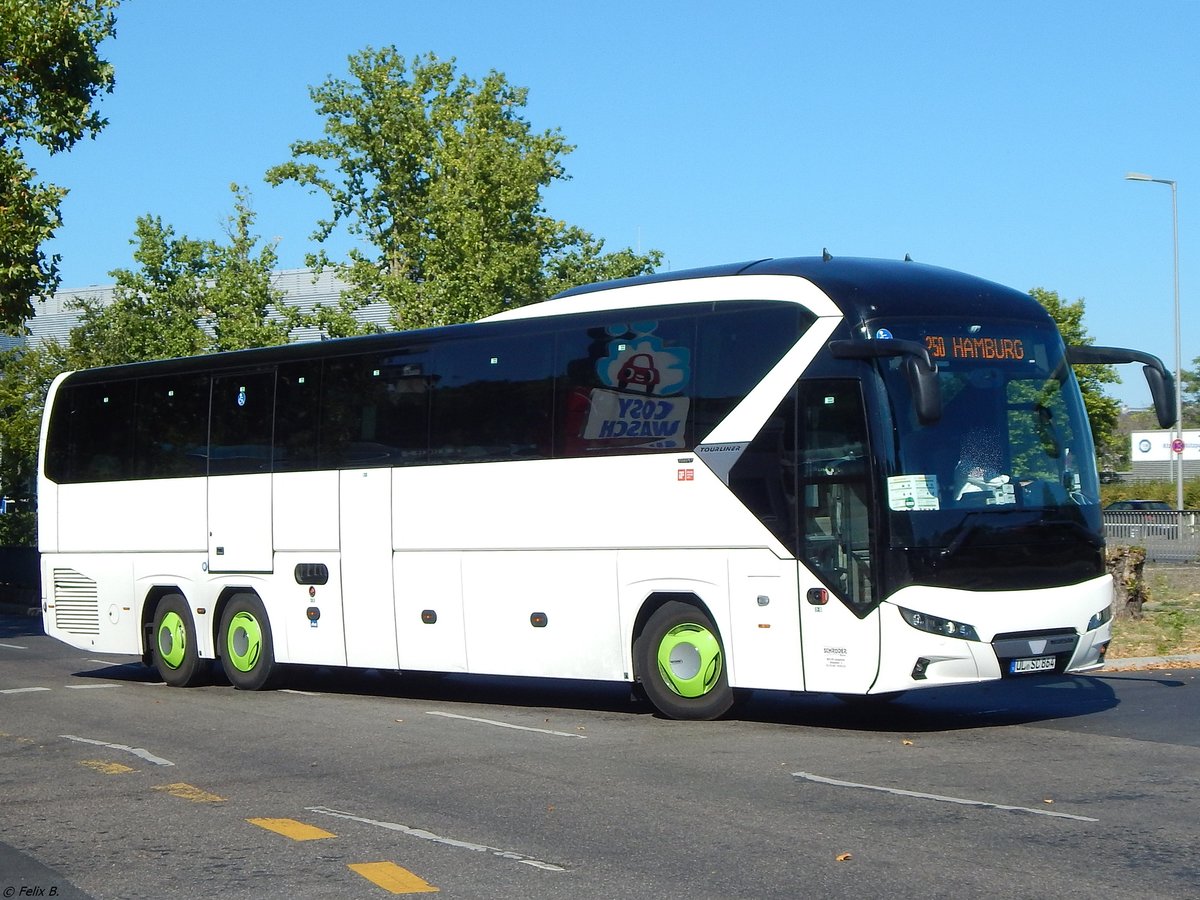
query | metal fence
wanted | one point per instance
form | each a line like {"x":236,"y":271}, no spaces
{"x":1167,"y":535}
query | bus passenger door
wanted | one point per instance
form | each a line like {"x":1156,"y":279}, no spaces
{"x":839,"y":621}
{"x":368,"y":609}
{"x":239,"y":473}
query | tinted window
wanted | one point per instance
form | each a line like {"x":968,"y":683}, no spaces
{"x":297,"y":416}
{"x":91,"y":433}
{"x":736,"y":349}
{"x":375,"y":409}
{"x":492,"y":400}
{"x":240,"y":429}
{"x":624,"y":386}
{"x":171,"y":435}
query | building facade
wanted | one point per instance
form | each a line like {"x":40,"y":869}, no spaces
{"x":54,"y":317}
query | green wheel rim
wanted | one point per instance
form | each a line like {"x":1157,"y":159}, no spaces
{"x":172,"y":640}
{"x":689,"y":659}
{"x":244,"y":641}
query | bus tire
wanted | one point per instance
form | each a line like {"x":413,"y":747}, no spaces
{"x":680,"y":663}
{"x":244,"y":643}
{"x":173,"y":643}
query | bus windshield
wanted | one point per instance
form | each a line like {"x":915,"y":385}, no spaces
{"x":1013,"y":435}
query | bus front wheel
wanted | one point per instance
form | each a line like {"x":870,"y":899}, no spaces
{"x":247,"y":654}
{"x":681,"y":663}
{"x":174,"y":643}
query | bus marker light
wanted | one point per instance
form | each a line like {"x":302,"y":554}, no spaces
{"x":818,"y":596}
{"x":428,"y":616}
{"x":313,"y":615}
{"x":538,"y":620}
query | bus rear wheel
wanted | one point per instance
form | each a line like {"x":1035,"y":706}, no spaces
{"x":174,"y":643}
{"x":681,"y":664}
{"x":247,"y":653}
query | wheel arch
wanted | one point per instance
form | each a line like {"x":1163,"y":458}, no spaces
{"x":153,"y":597}
{"x":657,"y":600}
{"x":227,"y":594}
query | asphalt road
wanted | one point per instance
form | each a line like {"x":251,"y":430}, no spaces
{"x":368,"y":785}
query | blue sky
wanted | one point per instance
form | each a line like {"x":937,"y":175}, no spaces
{"x":990,"y":138}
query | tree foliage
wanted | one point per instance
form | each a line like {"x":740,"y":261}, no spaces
{"x":50,"y":77}
{"x":1103,"y":411}
{"x":442,"y":179}
{"x":1190,"y":395}
{"x":25,"y":376}
{"x":186,"y":297}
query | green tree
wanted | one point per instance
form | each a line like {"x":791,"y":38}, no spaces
{"x":1103,"y":411}
{"x":442,"y":177}
{"x":186,"y":297}
{"x":241,"y":306}
{"x":1191,"y":395}
{"x":155,"y":307}
{"x":25,"y":376}
{"x":50,"y":77}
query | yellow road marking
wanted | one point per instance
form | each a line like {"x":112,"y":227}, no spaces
{"x":297,"y":831}
{"x":393,"y":878}
{"x":108,"y":768}
{"x":187,"y":792}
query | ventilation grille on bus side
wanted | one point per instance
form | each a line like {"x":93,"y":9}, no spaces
{"x":76,"y":603}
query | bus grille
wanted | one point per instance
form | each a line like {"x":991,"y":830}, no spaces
{"x":76,"y":603}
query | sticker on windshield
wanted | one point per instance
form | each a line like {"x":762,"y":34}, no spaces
{"x":913,"y":492}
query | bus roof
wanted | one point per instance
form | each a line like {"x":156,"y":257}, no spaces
{"x":866,"y":289}
{"x":862,"y":289}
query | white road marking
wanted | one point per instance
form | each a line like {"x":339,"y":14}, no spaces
{"x":88,"y":687}
{"x":438,"y":839}
{"x":446,"y":715}
{"x":28,"y":690}
{"x":922,"y":796}
{"x":136,"y":751}
{"x":13,"y":647}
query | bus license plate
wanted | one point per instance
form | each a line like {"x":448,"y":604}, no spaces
{"x":1032,"y":664}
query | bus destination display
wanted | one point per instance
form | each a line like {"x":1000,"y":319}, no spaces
{"x":971,"y":347}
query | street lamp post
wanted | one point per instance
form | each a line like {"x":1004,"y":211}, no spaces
{"x":1138,"y":176}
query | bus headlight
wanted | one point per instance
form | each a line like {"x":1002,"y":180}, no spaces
{"x":936,"y":625}
{"x":1099,"y":618}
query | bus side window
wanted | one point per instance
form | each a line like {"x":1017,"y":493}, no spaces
{"x":298,"y":416}
{"x":492,"y":399}
{"x":239,"y":436}
{"x":171,"y":431}
{"x":91,"y":433}
{"x":834,"y":475}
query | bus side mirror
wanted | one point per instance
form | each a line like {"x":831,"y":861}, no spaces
{"x":927,"y":396}
{"x":1162,"y":389}
{"x":1162,"y":385}
{"x":919,"y":369}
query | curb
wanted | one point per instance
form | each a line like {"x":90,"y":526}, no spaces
{"x":1140,"y":663}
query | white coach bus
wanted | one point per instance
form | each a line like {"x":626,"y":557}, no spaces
{"x":853,"y":476}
